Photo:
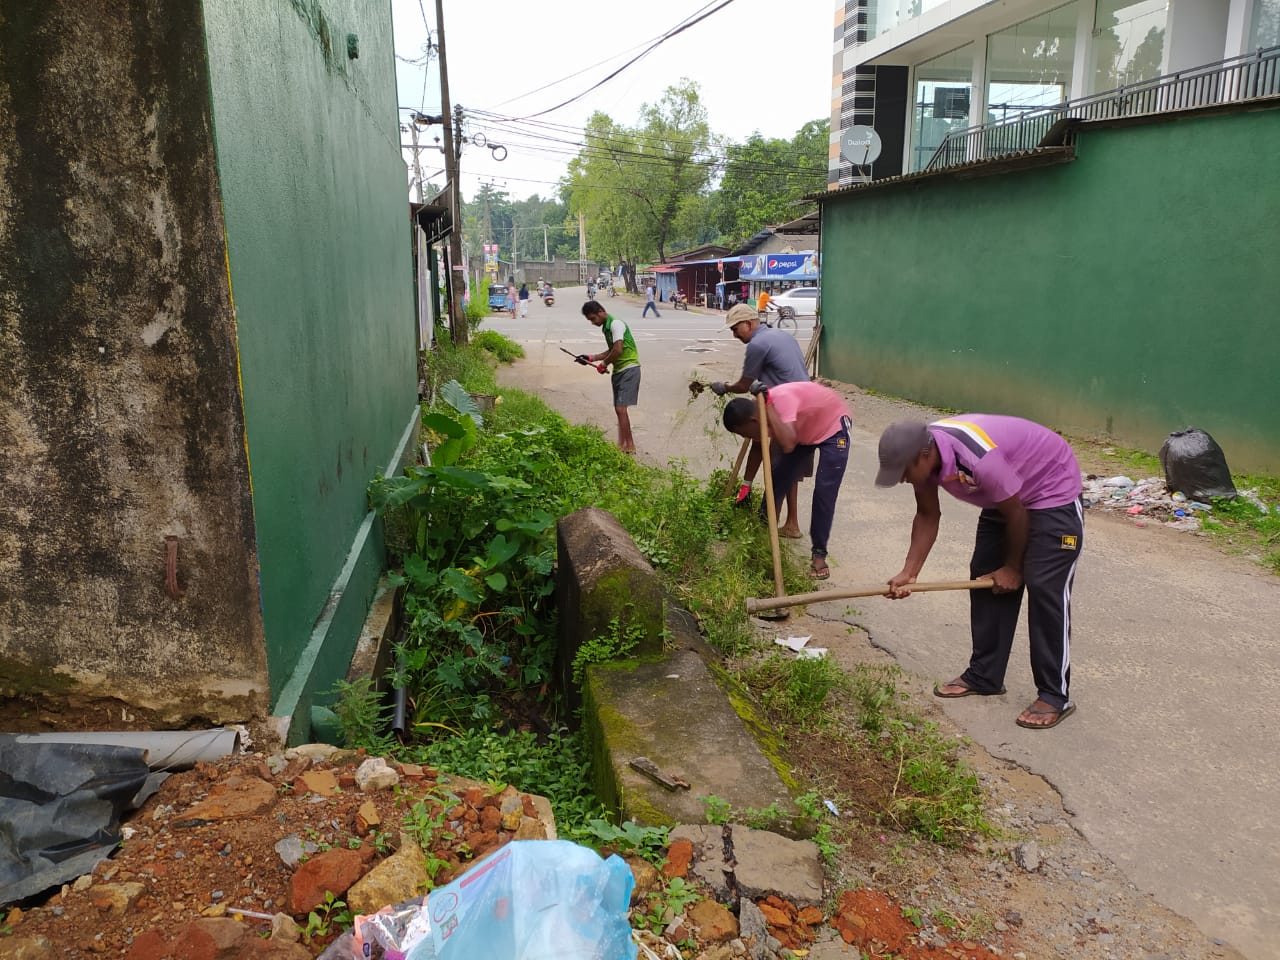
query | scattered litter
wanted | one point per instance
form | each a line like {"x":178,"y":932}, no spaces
{"x":1145,"y":500}
{"x":835,"y":811}
{"x":794,"y":644}
{"x":673,"y":676}
{"x":797,"y":646}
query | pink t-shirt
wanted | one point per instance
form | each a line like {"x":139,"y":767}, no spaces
{"x":812,"y":409}
{"x":987,"y":459}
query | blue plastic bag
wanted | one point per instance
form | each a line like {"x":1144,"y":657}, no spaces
{"x":533,"y":900}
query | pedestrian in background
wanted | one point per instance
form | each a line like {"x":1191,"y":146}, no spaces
{"x":1026,"y":480}
{"x":649,"y":304}
{"x":524,"y":299}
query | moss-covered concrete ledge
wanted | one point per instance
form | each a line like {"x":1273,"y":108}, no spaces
{"x":673,"y":706}
{"x":602,"y":577}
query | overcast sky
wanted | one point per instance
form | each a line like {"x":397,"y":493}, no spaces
{"x":761,"y":65}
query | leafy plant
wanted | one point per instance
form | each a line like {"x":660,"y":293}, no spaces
{"x":915,"y":915}
{"x":718,"y":810}
{"x":616,"y":644}
{"x":322,"y":920}
{"x":669,"y":902}
{"x":362,"y":716}
{"x":630,"y":837}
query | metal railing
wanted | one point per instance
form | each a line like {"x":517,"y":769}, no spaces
{"x":1227,"y":81}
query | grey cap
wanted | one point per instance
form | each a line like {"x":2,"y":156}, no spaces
{"x":900,"y":444}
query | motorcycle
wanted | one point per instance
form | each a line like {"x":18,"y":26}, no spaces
{"x":612,"y":290}
{"x":549,"y":298}
{"x":679,"y":301}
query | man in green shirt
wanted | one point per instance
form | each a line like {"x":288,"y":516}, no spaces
{"x":625,"y":360}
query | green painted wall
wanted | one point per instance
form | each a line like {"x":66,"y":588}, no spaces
{"x":316,"y":211}
{"x":1129,"y":293}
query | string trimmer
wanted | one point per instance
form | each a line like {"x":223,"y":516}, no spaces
{"x":582,"y":359}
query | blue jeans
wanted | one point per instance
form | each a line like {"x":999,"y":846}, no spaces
{"x":833,"y":458}
{"x":649,"y":305}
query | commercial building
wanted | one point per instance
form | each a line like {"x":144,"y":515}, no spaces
{"x":918,"y":70}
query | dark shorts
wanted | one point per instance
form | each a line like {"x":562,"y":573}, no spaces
{"x":626,"y":387}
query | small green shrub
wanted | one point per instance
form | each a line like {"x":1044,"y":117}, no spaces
{"x":796,"y":688}
{"x":617,"y":644}
{"x":504,"y":348}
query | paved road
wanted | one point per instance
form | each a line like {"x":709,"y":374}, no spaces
{"x":1171,"y":764}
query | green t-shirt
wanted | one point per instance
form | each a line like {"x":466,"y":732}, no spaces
{"x":630,"y":357}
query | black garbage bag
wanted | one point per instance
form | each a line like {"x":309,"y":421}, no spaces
{"x":1195,"y":465}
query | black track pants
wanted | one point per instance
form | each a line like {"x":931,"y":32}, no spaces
{"x":1054,"y":540}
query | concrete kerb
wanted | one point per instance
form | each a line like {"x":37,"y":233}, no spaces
{"x":668,"y":706}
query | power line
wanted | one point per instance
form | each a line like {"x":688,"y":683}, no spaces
{"x":680,"y":28}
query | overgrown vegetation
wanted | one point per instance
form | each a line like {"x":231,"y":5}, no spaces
{"x":473,"y":532}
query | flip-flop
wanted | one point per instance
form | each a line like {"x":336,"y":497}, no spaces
{"x":819,"y":573}
{"x":790,"y":534}
{"x":1058,"y":716}
{"x":968,"y":691}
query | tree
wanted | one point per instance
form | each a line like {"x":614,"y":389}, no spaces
{"x":631,"y":182}
{"x":764,"y":179}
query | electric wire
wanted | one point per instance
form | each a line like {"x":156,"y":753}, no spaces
{"x":675,"y":31}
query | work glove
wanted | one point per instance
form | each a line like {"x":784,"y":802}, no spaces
{"x":719,"y":388}
{"x":602,"y":368}
{"x":583,"y":359}
{"x":744,"y":496}
{"x":758,"y":388}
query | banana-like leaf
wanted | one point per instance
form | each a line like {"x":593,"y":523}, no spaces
{"x":456,"y":396}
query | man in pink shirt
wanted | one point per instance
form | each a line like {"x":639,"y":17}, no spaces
{"x":1026,"y":481}
{"x":804,"y":418}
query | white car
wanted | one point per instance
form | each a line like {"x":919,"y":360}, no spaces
{"x":796,"y":302}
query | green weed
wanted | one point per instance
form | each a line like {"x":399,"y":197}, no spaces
{"x":617,"y":644}
{"x":322,"y":920}
{"x":504,"y":349}
{"x":630,"y":837}
{"x":796,"y":688}
{"x":718,"y":811}
{"x":668,"y":903}
{"x":362,"y":716}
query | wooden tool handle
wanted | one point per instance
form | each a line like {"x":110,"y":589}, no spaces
{"x":773,"y":603}
{"x":771,"y":505}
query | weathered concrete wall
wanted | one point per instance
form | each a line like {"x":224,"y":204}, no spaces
{"x":319,"y":245}
{"x":120,"y":416}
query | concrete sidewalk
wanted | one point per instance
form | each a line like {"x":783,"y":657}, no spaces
{"x":1171,"y":764}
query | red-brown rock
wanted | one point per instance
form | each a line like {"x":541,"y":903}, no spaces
{"x":148,"y":946}
{"x":679,"y":854}
{"x":775,"y":917}
{"x":473,"y":796}
{"x":333,"y":871}
{"x":490,"y":818}
{"x":233,"y":798}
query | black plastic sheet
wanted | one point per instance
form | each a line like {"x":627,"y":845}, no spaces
{"x":61,"y":805}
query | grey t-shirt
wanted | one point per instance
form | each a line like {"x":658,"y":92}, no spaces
{"x":774,"y":356}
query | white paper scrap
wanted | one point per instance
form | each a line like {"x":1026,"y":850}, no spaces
{"x":795,"y":644}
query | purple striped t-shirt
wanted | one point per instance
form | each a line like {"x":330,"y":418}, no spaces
{"x":987,"y":459}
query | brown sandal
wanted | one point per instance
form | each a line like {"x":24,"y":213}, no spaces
{"x":968,"y":691}
{"x":1058,"y":715}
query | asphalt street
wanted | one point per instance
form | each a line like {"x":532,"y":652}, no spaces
{"x":1171,"y":764}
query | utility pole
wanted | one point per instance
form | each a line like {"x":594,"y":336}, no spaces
{"x":417,"y":168}
{"x":515,"y":251}
{"x":582,"y":245}
{"x":544,"y":244}
{"x":457,"y":269}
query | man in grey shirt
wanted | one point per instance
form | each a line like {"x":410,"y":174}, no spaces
{"x":773,"y":357}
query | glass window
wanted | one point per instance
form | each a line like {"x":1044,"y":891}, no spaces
{"x":941,"y":103}
{"x":1128,"y":42}
{"x":1266,"y":24}
{"x":1029,"y":64}
{"x":884,"y":15}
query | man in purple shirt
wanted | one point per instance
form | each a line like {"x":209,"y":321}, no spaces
{"x":1026,"y":481}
